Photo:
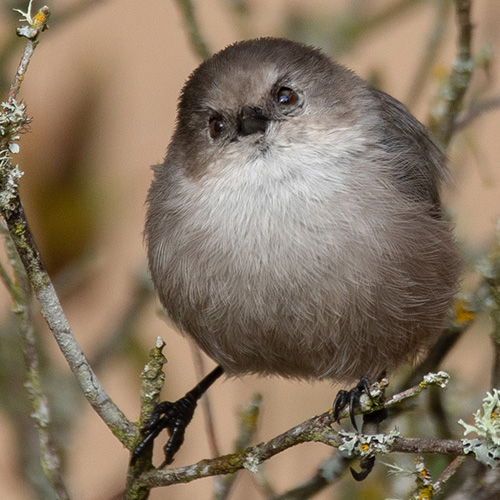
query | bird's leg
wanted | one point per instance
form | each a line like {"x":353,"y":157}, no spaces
{"x":175,"y":417}
{"x":371,"y":421}
{"x":371,"y":424}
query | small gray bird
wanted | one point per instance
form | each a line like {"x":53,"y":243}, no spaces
{"x":295,"y":226}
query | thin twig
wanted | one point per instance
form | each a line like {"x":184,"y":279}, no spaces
{"x":444,"y":116}
{"x":248,"y":427}
{"x":58,"y":324}
{"x":31,"y":32}
{"x":477,"y":110}
{"x":449,"y":471}
{"x":43,"y":288}
{"x":197,"y":41}
{"x":6,"y":279}
{"x":431,"y":51}
{"x":20,"y":292}
{"x":142,"y":292}
{"x":314,"y":430}
{"x":327,"y":473}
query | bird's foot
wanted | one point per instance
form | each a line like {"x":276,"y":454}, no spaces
{"x":351,"y":399}
{"x":173,"y":416}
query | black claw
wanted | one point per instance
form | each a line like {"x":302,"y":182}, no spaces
{"x":367,"y":464}
{"x":354,"y":396}
{"x":338,"y":404}
{"x":364,"y":384}
{"x":351,"y":399}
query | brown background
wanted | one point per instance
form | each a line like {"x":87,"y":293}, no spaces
{"x":102,"y":90}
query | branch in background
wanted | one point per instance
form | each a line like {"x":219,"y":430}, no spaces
{"x":492,"y":275}
{"x":477,"y":110}
{"x":20,"y":293}
{"x":327,"y":473}
{"x":449,"y":472}
{"x":431,"y":51}
{"x":197,"y":41}
{"x":340,"y":32}
{"x":248,"y":427}
{"x":121,"y":337}
{"x":445,"y":114}
{"x":13,"y":213}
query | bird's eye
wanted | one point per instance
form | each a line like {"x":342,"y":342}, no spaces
{"x":216,"y":127}
{"x":286,"y":96}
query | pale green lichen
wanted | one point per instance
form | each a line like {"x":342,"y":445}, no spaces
{"x":26,"y":15}
{"x":486,"y":447}
{"x":9,"y":181}
{"x":12,"y":120}
{"x":424,"y":484}
{"x":251,"y":463}
{"x":440,"y":379}
{"x":366,"y":445}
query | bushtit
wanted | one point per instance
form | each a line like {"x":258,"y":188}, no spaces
{"x":295,"y":226}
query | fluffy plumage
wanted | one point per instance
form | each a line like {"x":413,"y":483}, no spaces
{"x":314,"y":248}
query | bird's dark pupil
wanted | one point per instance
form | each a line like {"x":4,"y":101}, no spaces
{"x":218,"y":125}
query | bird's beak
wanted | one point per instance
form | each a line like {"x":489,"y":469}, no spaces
{"x":252,"y":120}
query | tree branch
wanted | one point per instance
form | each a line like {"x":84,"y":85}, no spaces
{"x":431,"y":52}
{"x":316,"y":429}
{"x":477,"y":110}
{"x":248,"y":427}
{"x":445,"y":115}
{"x":192,"y":27}
{"x":13,"y":213}
{"x":20,"y":292}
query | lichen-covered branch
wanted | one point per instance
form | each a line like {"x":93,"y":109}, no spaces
{"x":317,"y":429}
{"x":431,"y":51}
{"x":152,"y":383}
{"x":31,"y":32}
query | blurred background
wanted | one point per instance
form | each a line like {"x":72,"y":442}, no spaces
{"x":102,"y":90}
